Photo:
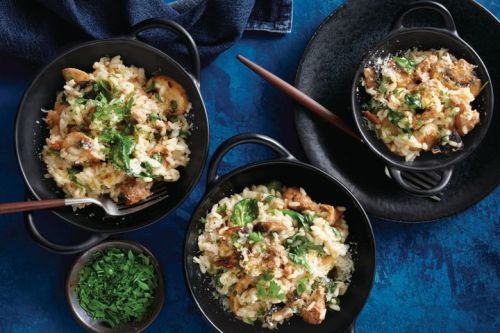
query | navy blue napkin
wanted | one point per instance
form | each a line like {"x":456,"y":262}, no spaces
{"x":38,"y":30}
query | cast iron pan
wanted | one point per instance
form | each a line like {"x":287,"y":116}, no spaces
{"x":326,"y":72}
{"x":31,"y":131}
{"x":399,"y":40}
{"x":323,"y":188}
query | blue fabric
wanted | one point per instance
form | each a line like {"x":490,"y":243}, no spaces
{"x":38,"y":30}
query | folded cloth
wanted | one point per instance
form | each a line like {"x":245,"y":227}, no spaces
{"x":37,"y":30}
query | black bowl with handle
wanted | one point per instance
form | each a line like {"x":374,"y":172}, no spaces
{"x":95,"y":325}
{"x":31,"y":131}
{"x":399,"y":40}
{"x":322,"y":188}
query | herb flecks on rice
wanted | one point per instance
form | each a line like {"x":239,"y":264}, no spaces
{"x":113,"y":132}
{"x":273,"y":252}
{"x":421,"y":101}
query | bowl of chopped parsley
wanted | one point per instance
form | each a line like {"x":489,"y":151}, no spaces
{"x":116,"y":286}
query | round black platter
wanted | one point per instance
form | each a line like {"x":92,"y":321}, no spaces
{"x":325,"y":73}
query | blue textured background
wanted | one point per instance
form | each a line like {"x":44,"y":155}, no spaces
{"x":439,"y":277}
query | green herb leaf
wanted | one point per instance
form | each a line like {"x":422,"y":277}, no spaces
{"x":245,"y":212}
{"x":383,"y":86}
{"x":203,"y":220}
{"x":269,"y":289}
{"x":302,"y":285}
{"x":413,"y":101}
{"x":151,"y":87}
{"x":275,"y":185}
{"x":269,"y":198}
{"x":72,"y":172}
{"x":305,"y":220}
{"x":298,"y":246}
{"x":173,"y":105}
{"x":255,"y":237}
{"x":157,"y":157}
{"x":221,"y":209}
{"x":406,"y":64}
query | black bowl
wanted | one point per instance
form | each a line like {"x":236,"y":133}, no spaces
{"x":322,"y":187}
{"x":31,"y":131}
{"x":401,"y":39}
{"x":97,"y":326}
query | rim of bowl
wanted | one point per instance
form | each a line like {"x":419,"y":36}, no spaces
{"x":84,"y":258}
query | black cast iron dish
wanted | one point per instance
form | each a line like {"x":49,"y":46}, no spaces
{"x":323,"y":188}
{"x":30,"y":130}
{"x":399,"y":40}
{"x":92,"y":325}
{"x":326,"y":73}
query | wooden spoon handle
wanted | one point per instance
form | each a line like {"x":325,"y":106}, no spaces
{"x":13,"y":207}
{"x":301,"y":98}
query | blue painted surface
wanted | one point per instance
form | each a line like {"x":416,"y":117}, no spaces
{"x":439,"y":277}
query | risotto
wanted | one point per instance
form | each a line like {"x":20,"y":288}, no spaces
{"x":114,"y":132}
{"x":273,"y":252}
{"x":421,"y":101}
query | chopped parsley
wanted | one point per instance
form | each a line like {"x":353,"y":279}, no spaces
{"x":117,"y":286}
{"x":267,"y":288}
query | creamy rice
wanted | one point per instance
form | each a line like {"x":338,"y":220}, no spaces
{"x":113,"y":132}
{"x":273,"y":253}
{"x":421,"y":101}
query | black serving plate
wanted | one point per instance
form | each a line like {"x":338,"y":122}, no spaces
{"x":326,"y":72}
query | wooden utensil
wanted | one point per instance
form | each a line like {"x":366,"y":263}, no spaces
{"x":301,"y":98}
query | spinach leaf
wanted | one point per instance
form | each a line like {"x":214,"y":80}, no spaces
{"x":305,"y":220}
{"x":245,"y":212}
{"x":407,"y":64}
{"x":413,"y":101}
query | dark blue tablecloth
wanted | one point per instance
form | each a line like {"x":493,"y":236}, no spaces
{"x":438,"y":277}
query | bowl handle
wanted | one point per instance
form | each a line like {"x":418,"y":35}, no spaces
{"x":29,"y":221}
{"x":398,"y":178}
{"x":436,"y":6}
{"x":237,"y":140}
{"x":181,"y":32}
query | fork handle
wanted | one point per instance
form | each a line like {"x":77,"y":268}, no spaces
{"x":13,"y":207}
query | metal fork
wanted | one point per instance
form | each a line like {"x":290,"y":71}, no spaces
{"x":421,"y":180}
{"x":110,"y":207}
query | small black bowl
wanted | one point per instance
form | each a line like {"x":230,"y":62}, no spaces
{"x":323,"y":188}
{"x":31,"y":131}
{"x":97,"y":326}
{"x":401,"y":39}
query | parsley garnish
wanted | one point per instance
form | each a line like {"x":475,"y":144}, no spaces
{"x":117,"y":286}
